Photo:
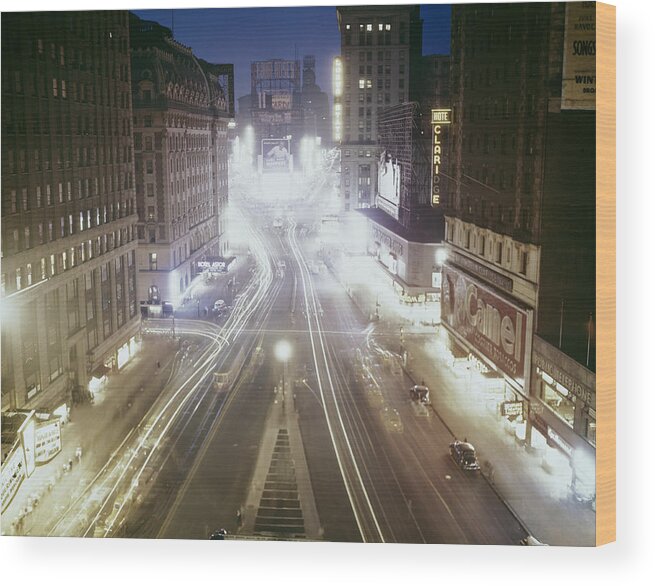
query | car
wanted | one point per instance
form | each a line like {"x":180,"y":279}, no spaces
{"x":464,"y":455}
{"x":219,"y":305}
{"x":218,"y":535}
{"x":420,"y":393}
{"x":392,"y":419}
{"x":529,"y":540}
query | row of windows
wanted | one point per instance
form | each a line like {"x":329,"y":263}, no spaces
{"x":63,"y":192}
{"x":381,"y":69}
{"x":368,"y":56}
{"x":65,"y":157}
{"x":43,"y":232}
{"x":55,"y":264}
{"x":102,"y":92}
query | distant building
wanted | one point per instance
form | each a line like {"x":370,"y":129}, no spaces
{"x":182,"y":106}
{"x":520,"y":216}
{"x":315,"y":104}
{"x":69,"y":215}
{"x":276,"y":104}
{"x":380,"y":54}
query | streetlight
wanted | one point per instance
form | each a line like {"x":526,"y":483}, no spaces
{"x":283,"y":353}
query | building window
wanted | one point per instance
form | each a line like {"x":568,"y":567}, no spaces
{"x":153,"y":261}
{"x":499,"y":252}
{"x":523,"y":269}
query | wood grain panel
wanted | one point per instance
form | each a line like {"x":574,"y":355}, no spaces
{"x":606,"y":273}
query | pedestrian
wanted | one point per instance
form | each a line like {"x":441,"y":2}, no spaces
{"x":239,"y":517}
{"x":158,"y":364}
{"x":70,"y":463}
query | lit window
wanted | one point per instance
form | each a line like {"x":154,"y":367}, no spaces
{"x":369,"y":28}
{"x":387,"y":27}
{"x":347,"y":27}
{"x":362,"y":84}
{"x":380,"y":26}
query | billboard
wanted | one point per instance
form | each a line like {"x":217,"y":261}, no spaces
{"x":389,"y":173}
{"x":579,"y":63}
{"x":493,"y":325}
{"x":440,"y":117}
{"x":276,"y":154}
{"x":282,"y":101}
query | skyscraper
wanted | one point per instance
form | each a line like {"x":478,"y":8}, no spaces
{"x":68,"y":204}
{"x":182,"y":106}
{"x":520,"y":215}
{"x":380,"y":50}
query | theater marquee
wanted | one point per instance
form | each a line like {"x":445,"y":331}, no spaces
{"x":440,"y":117}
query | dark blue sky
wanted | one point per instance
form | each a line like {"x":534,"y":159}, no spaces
{"x":243,"y":35}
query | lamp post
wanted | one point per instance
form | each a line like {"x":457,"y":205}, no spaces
{"x":283,"y":353}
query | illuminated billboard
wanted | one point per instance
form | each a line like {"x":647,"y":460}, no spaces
{"x":440,"y":117}
{"x":495,"y":326}
{"x":276,"y":155}
{"x":389,"y":172}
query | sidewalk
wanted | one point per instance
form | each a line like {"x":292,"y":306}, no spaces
{"x":98,"y":430}
{"x":541,"y":500}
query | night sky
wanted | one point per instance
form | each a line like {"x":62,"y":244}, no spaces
{"x":243,"y":35}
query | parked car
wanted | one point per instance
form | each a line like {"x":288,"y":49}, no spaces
{"x":420,"y":393}
{"x":529,"y":540}
{"x":219,"y":305}
{"x":464,"y":455}
{"x":392,"y":419}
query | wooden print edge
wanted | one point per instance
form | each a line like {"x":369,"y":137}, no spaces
{"x":606,"y":273}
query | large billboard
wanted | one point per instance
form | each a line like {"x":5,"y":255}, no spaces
{"x":579,"y":67}
{"x":276,"y":154}
{"x":493,"y":325}
{"x":389,"y":175}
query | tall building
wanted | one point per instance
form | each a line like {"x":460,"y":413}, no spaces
{"x":380,"y":52}
{"x":182,"y":106}
{"x":276,"y":103}
{"x":315,"y":104}
{"x":520,"y":217}
{"x":69,"y":304}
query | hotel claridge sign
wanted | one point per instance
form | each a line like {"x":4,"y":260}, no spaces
{"x":333,"y":280}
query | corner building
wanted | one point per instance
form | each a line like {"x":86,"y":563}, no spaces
{"x":68,"y":205}
{"x":182,"y":106}
{"x":380,"y":52}
{"x":518,"y":291}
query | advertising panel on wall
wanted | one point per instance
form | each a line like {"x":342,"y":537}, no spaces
{"x":579,"y":66}
{"x":281,"y":101}
{"x":493,"y":325}
{"x":276,"y":155}
{"x":47,"y":440}
{"x":389,"y":175}
{"x":13,"y":474}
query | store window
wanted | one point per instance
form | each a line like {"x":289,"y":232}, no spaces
{"x":557,"y":397}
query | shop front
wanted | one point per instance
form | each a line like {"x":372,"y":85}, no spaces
{"x":563,"y":412}
{"x":495,"y":331}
